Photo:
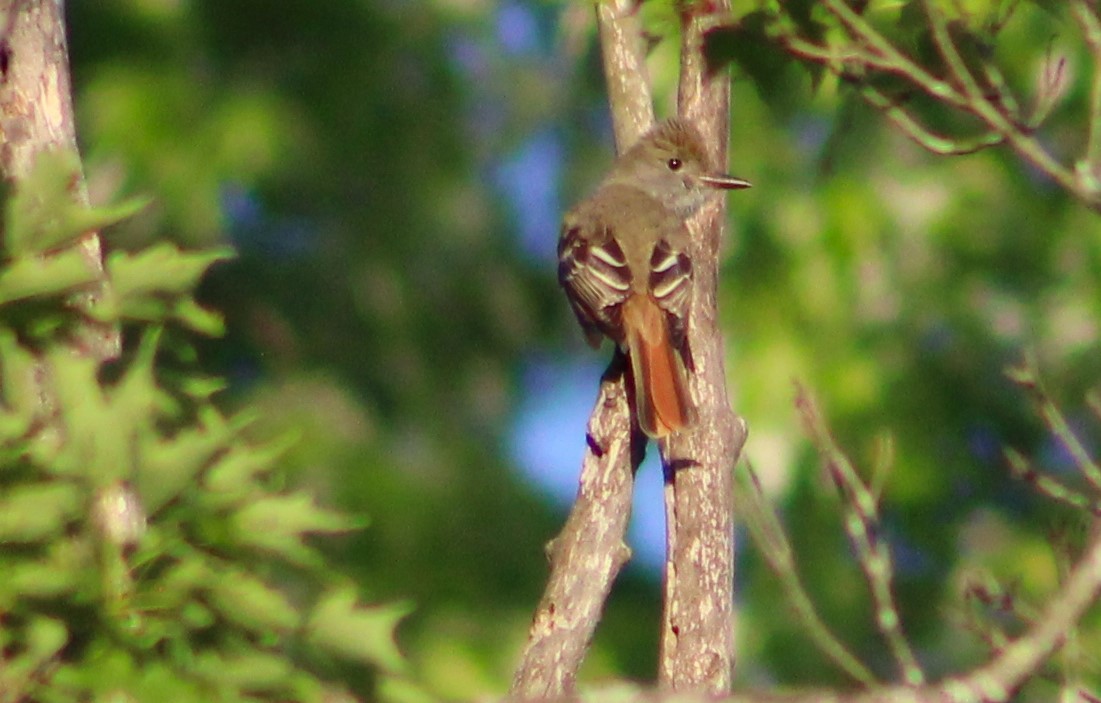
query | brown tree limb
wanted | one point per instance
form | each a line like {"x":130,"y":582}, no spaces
{"x":697,"y":642}
{"x":36,"y":116}
{"x":590,"y":551}
{"x":625,"y":73}
{"x":588,"y":554}
{"x":697,"y":637}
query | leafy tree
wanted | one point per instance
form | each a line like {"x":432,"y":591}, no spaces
{"x":379,"y":307}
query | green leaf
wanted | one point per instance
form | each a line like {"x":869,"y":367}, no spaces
{"x":44,"y":213}
{"x":362,"y":633}
{"x":202,"y":388}
{"x":44,"y":639}
{"x":160,"y":270}
{"x":170,"y":466}
{"x":98,"y":438}
{"x":38,"y":511}
{"x":253,"y":670}
{"x":59,"y":573}
{"x":18,"y":388}
{"x":176,"y":587}
{"x":235,"y":472}
{"x":196,"y":317}
{"x":279,"y":523}
{"x":195,"y":616}
{"x":57,"y":275}
{"x":251,"y":603}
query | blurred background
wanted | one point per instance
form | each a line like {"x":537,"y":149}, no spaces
{"x":391,"y":175}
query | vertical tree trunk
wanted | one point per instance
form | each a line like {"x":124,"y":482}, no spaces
{"x":697,"y":640}
{"x":36,"y":116}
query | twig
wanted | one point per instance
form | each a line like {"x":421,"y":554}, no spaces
{"x":980,"y":596}
{"x":1026,"y":377}
{"x":1021,"y":468}
{"x":935,"y":143}
{"x":777,"y":552}
{"x":1091,"y":31}
{"x":893,"y":60}
{"x":861,"y":521}
{"x":872,"y":51}
{"x":957,"y":68}
{"x":994,"y":682}
{"x":843,"y":60}
{"x":1001,"y":91}
{"x":1023,"y":656}
{"x":697,"y":643}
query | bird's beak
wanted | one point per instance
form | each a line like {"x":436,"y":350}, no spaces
{"x":725,"y":182}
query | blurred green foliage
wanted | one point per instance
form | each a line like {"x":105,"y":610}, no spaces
{"x":148,"y":549}
{"x":381,"y":308}
{"x":378,"y":307}
{"x":900,"y":285}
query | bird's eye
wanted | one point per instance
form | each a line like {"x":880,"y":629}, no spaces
{"x":674,"y":164}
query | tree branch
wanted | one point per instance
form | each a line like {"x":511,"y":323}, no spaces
{"x":697,"y":645}
{"x":36,"y":116}
{"x":1091,"y":31}
{"x":861,"y":523}
{"x":869,"y":50}
{"x":589,"y":552}
{"x":776,"y":550}
{"x":625,"y":73}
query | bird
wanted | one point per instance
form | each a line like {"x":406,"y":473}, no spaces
{"x":624,"y":261}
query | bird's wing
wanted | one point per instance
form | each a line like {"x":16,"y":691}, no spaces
{"x":593,"y":270}
{"x":671,"y":287}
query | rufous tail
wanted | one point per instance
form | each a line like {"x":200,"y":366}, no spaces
{"x":661,"y":384}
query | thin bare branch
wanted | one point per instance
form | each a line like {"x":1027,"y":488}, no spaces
{"x":871,"y":51}
{"x":1023,"y":469}
{"x":957,"y":67}
{"x":861,"y":523}
{"x":979,"y":600}
{"x":586,"y":556}
{"x":892,"y":59}
{"x":1025,"y":655}
{"x":1090,"y":27}
{"x":994,"y":682}
{"x":1000,"y":91}
{"x":1026,"y":377}
{"x":924,"y":137}
{"x":769,"y":536}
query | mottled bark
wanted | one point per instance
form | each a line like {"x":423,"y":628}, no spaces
{"x":590,"y":551}
{"x":697,"y":641}
{"x":36,"y":116}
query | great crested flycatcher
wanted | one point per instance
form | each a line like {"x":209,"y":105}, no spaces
{"x":623,"y":259}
